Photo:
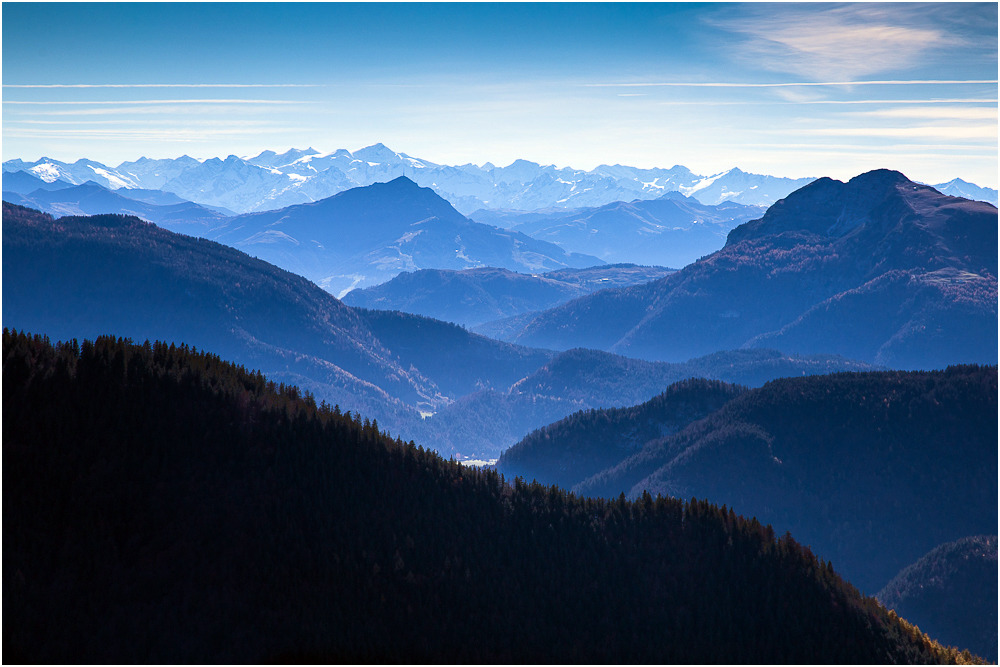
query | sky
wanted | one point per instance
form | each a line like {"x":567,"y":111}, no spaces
{"x":785,"y":89}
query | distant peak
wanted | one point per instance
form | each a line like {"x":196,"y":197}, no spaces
{"x":376,"y":153}
{"x":878,"y":177}
{"x":402,"y":182}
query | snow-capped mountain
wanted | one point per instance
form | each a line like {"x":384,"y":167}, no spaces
{"x":77,"y":173}
{"x":959,"y":188}
{"x":743,"y":188}
{"x":270,"y":181}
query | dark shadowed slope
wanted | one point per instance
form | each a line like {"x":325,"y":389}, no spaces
{"x":459,"y":362}
{"x":368,"y":235}
{"x":951,"y":594}
{"x":879,"y":269}
{"x":473,"y":296}
{"x":587,"y":442}
{"x":871,"y":469}
{"x":76,"y":277}
{"x":161,"y":506}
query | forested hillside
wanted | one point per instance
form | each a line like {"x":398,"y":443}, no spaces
{"x":162,"y":505}
{"x":951,"y":594}
{"x":872,"y":470}
{"x":587,"y":442}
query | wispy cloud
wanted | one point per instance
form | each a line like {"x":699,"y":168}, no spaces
{"x":949,"y":100}
{"x":732,"y":84}
{"x":917,"y":132}
{"x":155,"y":134}
{"x":842,"y":42}
{"x":957,"y":113}
{"x":163,"y":85}
{"x":199,"y":101}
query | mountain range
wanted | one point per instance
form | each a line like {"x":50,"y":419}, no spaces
{"x":449,"y":389}
{"x":271,"y":181}
{"x":368,"y":235}
{"x":879,"y":269}
{"x":79,"y":276}
{"x":672,"y":230}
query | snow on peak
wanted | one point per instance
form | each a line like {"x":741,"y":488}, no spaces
{"x":703,"y":183}
{"x":47,"y":172}
{"x":116,"y":181}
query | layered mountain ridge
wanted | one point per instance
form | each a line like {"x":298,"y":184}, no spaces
{"x":879,"y":269}
{"x":368,"y":235}
{"x":271,"y":181}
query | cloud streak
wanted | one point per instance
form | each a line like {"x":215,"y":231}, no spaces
{"x":163,"y":85}
{"x":202,"y":101}
{"x":950,"y":100}
{"x":731,"y":84}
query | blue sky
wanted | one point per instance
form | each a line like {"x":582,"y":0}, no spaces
{"x":785,"y":89}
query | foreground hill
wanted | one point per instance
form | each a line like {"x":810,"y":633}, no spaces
{"x":951,"y":594}
{"x":368,"y":235}
{"x":879,"y":269}
{"x":871,"y":469}
{"x":484,"y":424}
{"x":165,"y":506}
{"x":672,"y":230}
{"x":475,"y":296}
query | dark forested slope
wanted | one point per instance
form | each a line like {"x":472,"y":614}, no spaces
{"x":871,"y":469}
{"x":951,"y":594}
{"x":165,"y":506}
{"x":585,"y":443}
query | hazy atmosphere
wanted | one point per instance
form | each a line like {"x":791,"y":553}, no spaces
{"x":790,"y":90}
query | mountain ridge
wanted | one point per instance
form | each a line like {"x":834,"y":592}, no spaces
{"x":879,"y":269}
{"x":368,"y":235}
{"x":309,"y":175}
